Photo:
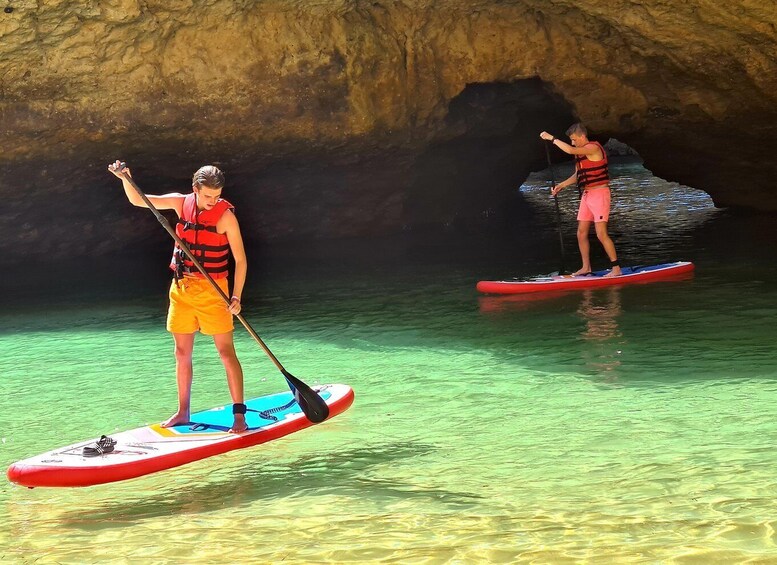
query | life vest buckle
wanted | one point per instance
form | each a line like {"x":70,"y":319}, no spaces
{"x":178,"y":255}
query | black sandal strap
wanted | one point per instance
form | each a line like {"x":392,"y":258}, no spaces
{"x":106,"y":441}
{"x":103,"y":445}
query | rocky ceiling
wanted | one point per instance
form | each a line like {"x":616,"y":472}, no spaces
{"x":350,"y":118}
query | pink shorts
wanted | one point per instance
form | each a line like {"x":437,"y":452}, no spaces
{"x":595,"y":205}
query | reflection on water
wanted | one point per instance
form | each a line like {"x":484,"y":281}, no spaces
{"x":495,"y":304}
{"x":599,"y":311}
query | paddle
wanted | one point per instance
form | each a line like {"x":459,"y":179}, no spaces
{"x":312,"y":404}
{"x":562,"y":270}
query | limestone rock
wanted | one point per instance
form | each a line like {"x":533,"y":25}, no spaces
{"x":344,"y":117}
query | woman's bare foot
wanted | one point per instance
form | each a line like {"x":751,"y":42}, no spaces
{"x":616,"y":272}
{"x":239,"y":425}
{"x":179,"y":417}
{"x":582,"y":271}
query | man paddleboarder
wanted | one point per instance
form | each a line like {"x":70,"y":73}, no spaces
{"x":593,"y":180}
{"x":208,"y":227}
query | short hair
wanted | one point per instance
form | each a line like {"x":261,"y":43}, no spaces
{"x":577,"y":129}
{"x":210,"y":176}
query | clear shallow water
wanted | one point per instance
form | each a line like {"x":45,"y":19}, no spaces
{"x":623,"y":425}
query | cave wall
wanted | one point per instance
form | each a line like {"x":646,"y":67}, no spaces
{"x":341,"y":118}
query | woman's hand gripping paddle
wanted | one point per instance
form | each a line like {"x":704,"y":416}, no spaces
{"x":314,"y":407}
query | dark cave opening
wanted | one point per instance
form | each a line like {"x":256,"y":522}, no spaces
{"x":468,"y":178}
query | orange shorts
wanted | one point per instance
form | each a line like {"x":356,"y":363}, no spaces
{"x":195,"y":305}
{"x":595,"y":205}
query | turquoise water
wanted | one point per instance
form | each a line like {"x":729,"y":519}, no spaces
{"x":622,"y":425}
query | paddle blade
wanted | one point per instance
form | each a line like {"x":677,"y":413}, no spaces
{"x":314,"y":407}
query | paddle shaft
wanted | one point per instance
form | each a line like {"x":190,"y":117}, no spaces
{"x":558,"y":210}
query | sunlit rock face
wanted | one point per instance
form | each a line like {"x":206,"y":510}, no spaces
{"x":349,"y":118}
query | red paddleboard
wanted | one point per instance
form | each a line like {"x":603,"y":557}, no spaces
{"x":665,"y":271}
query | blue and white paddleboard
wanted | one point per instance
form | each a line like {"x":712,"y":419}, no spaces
{"x":153,"y":448}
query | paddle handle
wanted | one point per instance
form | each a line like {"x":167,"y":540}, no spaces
{"x":185,"y":248}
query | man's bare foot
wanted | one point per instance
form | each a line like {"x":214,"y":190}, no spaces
{"x":616,"y":272}
{"x":176,"y":419}
{"x":239,"y":425}
{"x":582,"y":271}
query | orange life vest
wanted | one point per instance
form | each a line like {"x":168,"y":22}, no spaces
{"x":197,"y":228}
{"x":591,"y":174}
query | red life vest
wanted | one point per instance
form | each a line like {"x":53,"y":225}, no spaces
{"x":197,"y":228}
{"x":591,"y":174}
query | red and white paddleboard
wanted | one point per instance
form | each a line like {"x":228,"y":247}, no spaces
{"x":153,"y":448}
{"x":666,"y":271}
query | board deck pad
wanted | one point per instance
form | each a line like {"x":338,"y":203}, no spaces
{"x":641,"y":274}
{"x":260,"y":412}
{"x":153,"y":448}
